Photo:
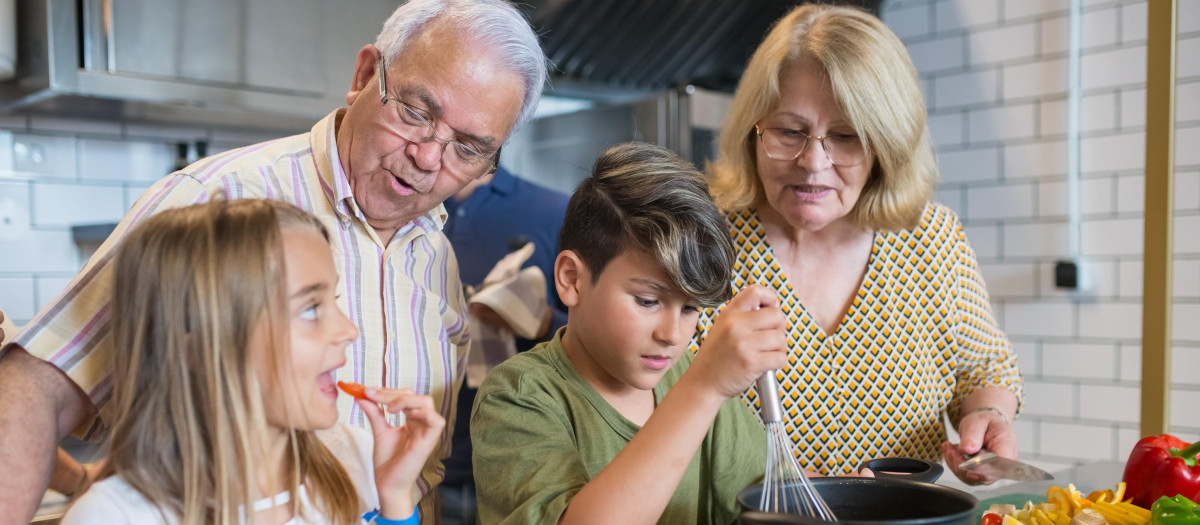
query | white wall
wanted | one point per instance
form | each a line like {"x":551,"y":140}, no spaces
{"x":55,"y":173}
{"x":995,"y":78}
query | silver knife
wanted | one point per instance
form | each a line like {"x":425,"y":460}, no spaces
{"x":992,"y":467}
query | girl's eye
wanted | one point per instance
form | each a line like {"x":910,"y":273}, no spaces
{"x":309,"y":313}
{"x":690,"y":308}
{"x":647,"y":303}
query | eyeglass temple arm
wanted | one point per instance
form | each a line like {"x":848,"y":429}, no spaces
{"x":381,"y":74}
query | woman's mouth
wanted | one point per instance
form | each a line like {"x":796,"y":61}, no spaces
{"x":810,"y":192}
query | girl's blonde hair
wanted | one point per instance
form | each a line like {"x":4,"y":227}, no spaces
{"x":876,"y":89}
{"x":191,"y":287}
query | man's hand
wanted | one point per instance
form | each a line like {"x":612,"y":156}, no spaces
{"x":489,"y":316}
{"x":39,"y":405}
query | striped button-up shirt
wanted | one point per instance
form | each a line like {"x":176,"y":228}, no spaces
{"x":404,"y":295}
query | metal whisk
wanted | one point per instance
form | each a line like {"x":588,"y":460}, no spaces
{"x":785,"y":487}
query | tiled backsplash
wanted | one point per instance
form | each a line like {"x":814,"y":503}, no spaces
{"x":995,"y":78}
{"x":56,"y":173}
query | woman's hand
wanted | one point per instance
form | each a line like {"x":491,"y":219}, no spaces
{"x":983,"y":429}
{"x":748,"y":338}
{"x":400,"y":452}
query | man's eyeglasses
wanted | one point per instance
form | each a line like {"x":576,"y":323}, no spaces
{"x":788,"y":144}
{"x":417,"y":125}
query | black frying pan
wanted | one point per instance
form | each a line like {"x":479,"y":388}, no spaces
{"x":902,"y":493}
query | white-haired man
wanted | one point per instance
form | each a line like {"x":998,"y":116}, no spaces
{"x":430,"y":104}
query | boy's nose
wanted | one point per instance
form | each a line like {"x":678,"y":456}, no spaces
{"x":672,"y":331}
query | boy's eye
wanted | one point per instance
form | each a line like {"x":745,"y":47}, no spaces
{"x":644,"y":302}
{"x":309,"y":313}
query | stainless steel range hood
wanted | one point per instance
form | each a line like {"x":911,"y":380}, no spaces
{"x":599,"y":45}
{"x":274,"y":64}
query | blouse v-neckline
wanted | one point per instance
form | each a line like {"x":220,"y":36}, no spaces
{"x":786,"y":284}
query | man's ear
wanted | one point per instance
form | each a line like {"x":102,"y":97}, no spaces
{"x":364,"y":73}
{"x":570,"y":274}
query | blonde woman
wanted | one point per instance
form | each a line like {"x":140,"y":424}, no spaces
{"x":826,"y":173}
{"x":231,"y":338}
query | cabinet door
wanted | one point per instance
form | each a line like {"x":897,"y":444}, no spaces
{"x":270,"y":45}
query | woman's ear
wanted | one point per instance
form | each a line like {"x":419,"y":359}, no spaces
{"x":364,"y":72}
{"x":569,"y":275}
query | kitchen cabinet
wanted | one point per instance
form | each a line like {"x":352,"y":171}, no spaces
{"x":275,"y":64}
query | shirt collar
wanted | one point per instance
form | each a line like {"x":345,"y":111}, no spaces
{"x":502,"y":182}
{"x":334,"y":182}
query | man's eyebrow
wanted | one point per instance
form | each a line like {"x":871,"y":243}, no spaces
{"x":435,"y":110}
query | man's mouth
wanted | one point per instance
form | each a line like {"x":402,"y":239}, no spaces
{"x":400,"y":186}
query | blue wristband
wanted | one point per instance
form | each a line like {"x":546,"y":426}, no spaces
{"x":374,"y":518}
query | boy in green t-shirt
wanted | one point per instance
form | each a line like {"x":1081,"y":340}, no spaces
{"x":614,"y":421}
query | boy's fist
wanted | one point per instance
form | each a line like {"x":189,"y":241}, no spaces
{"x":748,"y":338}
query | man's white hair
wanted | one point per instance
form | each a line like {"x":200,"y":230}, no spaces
{"x":493,"y":24}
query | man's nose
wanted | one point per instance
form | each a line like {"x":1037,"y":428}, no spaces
{"x":427,"y":155}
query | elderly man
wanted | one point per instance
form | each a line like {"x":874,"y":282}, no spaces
{"x":430,"y":104}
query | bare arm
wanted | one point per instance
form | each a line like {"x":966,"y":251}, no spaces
{"x":636,"y":486}
{"x":39,"y":405}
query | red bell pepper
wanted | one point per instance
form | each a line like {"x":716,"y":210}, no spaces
{"x":1162,"y":466}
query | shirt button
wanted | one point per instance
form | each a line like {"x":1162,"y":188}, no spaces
{"x":460,"y":212}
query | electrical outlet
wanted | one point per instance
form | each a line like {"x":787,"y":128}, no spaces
{"x":44,"y":155}
{"x":1073,"y":275}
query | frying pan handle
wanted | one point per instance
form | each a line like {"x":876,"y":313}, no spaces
{"x":908,"y":468}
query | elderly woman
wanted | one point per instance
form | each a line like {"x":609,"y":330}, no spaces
{"x":826,"y":173}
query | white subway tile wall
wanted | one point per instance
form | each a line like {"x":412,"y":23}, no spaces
{"x":67,"y":172}
{"x":996,"y":75}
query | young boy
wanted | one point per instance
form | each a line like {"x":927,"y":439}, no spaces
{"x":613,"y":421}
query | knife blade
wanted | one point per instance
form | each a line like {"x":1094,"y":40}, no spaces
{"x":992,"y":467}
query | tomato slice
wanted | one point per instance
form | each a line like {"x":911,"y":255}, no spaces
{"x":992,"y":519}
{"x":355,"y":390}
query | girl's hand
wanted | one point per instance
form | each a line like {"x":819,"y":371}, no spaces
{"x":400,"y":452}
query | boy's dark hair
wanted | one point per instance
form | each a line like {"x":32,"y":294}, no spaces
{"x":644,"y":197}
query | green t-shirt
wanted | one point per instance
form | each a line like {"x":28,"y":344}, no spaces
{"x":539,"y":432}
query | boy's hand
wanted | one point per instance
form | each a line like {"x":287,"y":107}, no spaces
{"x":400,"y":452}
{"x":748,"y":338}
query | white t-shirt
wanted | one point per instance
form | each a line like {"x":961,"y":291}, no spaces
{"x":113,"y":502}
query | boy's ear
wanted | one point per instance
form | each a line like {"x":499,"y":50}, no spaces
{"x":569,"y":274}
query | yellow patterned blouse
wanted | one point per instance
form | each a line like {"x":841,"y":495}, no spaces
{"x":918,"y":338}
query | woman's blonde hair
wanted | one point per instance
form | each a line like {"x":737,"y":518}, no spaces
{"x":192,"y":286}
{"x":876,"y":89}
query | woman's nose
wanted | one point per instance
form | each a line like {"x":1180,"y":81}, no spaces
{"x":814,"y":157}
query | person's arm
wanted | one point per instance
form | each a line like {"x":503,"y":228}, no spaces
{"x":400,"y":453}
{"x":748,"y":339}
{"x":988,"y":393}
{"x":39,"y":405}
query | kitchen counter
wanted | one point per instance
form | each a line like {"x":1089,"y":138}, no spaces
{"x":1089,"y":477}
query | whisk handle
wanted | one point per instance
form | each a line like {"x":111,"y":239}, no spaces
{"x":770,"y":407}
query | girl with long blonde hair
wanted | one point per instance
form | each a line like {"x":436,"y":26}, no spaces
{"x":228,"y":336}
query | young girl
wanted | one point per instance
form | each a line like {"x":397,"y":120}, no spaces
{"x":227,"y":336}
